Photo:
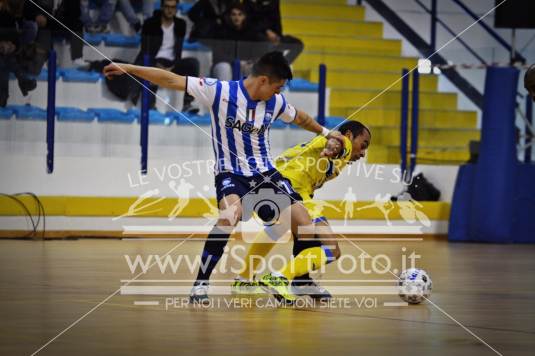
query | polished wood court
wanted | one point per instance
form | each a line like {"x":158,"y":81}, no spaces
{"x":48,"y":286}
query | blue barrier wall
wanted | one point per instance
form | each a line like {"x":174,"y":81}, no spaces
{"x":494,"y":199}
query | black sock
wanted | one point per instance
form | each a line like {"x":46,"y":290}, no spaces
{"x":298,"y":247}
{"x":212,"y":252}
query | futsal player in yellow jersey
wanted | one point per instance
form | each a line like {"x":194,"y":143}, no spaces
{"x":307,"y":168}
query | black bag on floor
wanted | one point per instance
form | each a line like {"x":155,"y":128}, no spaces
{"x":421,"y":189}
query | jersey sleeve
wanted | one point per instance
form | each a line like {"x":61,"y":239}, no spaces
{"x":202,"y":89}
{"x":287,"y":112}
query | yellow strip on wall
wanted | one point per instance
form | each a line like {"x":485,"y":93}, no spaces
{"x":161,"y":207}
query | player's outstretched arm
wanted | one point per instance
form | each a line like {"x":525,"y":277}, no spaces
{"x":160,"y":77}
{"x":305,"y":121}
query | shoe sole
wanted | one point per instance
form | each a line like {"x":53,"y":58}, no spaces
{"x":270,"y":290}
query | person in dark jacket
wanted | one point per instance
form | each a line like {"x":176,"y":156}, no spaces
{"x":266,"y":15}
{"x":12,"y":40}
{"x":529,"y":81}
{"x":237,"y":38}
{"x":161,"y":39}
{"x":208,"y":17}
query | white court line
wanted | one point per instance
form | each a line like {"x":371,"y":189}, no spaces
{"x":375,"y":239}
{"x":146,"y":302}
{"x":358,"y":229}
{"x":395,"y":304}
{"x":232,"y":280}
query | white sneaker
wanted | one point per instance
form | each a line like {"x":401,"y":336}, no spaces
{"x":80,"y":63}
{"x":199,"y":293}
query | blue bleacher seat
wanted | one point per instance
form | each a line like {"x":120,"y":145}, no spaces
{"x":112,"y":115}
{"x":6,"y":113}
{"x":299,"y":84}
{"x":44,"y":75}
{"x":74,"y":114}
{"x":194,"y":46}
{"x":333,"y":121}
{"x":279,"y":124}
{"x":28,"y":112}
{"x":182,"y":119}
{"x":119,"y":40}
{"x":94,"y":38}
{"x":155,"y":117}
{"x":76,"y":75}
{"x":184,"y":7}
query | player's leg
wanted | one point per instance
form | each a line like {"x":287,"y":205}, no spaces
{"x":229,"y":189}
{"x":229,"y":215}
{"x":262,"y":244}
{"x":309,"y":259}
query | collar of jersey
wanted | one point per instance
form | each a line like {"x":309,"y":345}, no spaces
{"x":251,"y":104}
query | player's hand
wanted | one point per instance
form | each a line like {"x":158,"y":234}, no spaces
{"x":332,"y":148}
{"x":337,"y":135}
{"x":115,"y":69}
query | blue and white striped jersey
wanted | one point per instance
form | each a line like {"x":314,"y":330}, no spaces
{"x":240,"y":125}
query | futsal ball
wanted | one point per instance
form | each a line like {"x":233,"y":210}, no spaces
{"x":414,"y":285}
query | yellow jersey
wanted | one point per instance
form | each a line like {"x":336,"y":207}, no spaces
{"x":306,"y":169}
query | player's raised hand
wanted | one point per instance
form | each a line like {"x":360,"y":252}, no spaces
{"x":332,"y":149}
{"x":115,"y":69}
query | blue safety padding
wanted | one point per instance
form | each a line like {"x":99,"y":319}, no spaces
{"x":6,"y":113}
{"x":94,"y":38}
{"x":299,"y":84}
{"x":119,"y":40}
{"x":155,"y":117}
{"x":74,"y":114}
{"x":28,"y":112}
{"x":494,"y":199}
{"x":76,"y":75}
{"x":112,"y":115}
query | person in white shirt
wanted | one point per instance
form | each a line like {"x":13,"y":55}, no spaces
{"x":161,"y":39}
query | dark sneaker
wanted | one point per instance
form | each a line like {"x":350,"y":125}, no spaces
{"x":311,"y":288}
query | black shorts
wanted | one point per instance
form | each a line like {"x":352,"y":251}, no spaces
{"x":227,"y":183}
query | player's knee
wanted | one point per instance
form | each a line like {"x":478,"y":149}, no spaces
{"x":332,"y":252}
{"x":336,"y":252}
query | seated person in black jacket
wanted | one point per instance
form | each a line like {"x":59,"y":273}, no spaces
{"x":161,"y":38}
{"x":208,"y":17}
{"x":237,"y":39}
{"x":266,"y":15}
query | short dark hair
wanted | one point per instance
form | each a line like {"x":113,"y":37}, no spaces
{"x":356,"y":128}
{"x":529,"y":80}
{"x":163,"y":1}
{"x":273,"y":65}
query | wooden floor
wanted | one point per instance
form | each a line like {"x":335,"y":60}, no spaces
{"x":48,"y":286}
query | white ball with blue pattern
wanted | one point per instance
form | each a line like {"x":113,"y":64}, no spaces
{"x":415,"y":285}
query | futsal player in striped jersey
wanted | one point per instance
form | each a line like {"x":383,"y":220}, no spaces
{"x":307,"y":168}
{"x":242,"y":113}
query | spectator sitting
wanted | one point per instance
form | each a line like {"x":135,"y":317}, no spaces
{"x":238,"y":39}
{"x":125,"y":6}
{"x":266,"y":15}
{"x":208,"y":16}
{"x":161,"y":38}
{"x":101,"y":25}
{"x":11,"y":41}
